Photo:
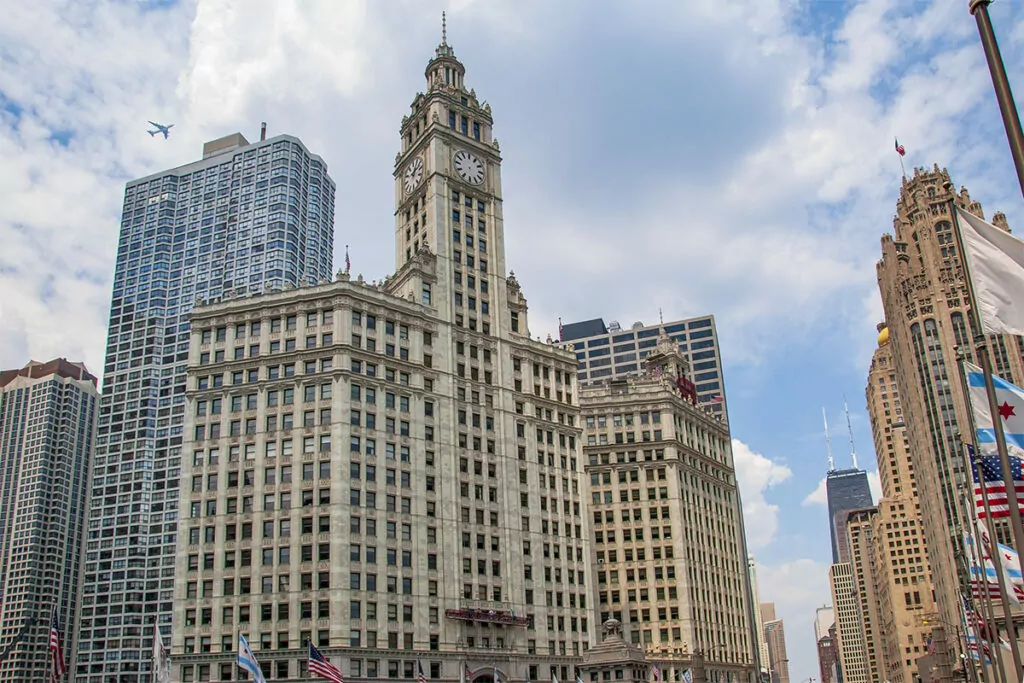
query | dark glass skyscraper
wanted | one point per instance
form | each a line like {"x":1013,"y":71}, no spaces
{"x":847,"y":490}
{"x":245,"y":218}
{"x":605,"y":351}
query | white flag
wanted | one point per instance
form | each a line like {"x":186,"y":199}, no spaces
{"x":161,"y":658}
{"x":996,"y":261}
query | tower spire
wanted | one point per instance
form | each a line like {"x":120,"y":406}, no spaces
{"x":444,"y":28}
{"x":828,"y":443}
{"x":853,"y":452}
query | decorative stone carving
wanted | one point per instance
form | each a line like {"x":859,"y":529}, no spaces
{"x":494,"y":143}
{"x":434,"y":117}
{"x":612,"y":627}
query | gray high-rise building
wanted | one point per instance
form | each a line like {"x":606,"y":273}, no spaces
{"x":243,"y":219}
{"x":847,"y":490}
{"x":606,"y":351}
{"x":47,"y":426}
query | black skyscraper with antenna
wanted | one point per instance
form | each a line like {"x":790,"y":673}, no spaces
{"x":846,"y":490}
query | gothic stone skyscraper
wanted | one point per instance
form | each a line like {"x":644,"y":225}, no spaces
{"x":391,"y":469}
{"x":245,"y":217}
{"x":924,"y":296}
{"x":47,"y":425}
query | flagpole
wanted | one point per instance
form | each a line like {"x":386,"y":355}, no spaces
{"x":981,"y":349}
{"x":1004,"y":596}
{"x":1004,"y":95}
{"x":987,"y":611}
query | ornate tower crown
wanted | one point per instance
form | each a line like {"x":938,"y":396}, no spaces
{"x":444,"y":69}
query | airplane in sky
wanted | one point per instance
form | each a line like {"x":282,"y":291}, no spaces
{"x":159,"y":129}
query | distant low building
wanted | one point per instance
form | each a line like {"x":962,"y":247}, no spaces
{"x":775,"y":636}
{"x":828,"y":657}
{"x":825,"y":638}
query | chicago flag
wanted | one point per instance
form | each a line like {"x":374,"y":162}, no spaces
{"x":1010,"y":402}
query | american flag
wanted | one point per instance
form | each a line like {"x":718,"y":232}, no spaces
{"x":319,"y":666}
{"x":900,"y":149}
{"x":985,"y":633}
{"x":977,"y":635}
{"x":656,"y":673}
{"x":979,"y":586}
{"x":988,"y":469}
{"x":56,"y":650}
{"x":420,"y":676}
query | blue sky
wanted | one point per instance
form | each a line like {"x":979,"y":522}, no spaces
{"x":733,"y":158}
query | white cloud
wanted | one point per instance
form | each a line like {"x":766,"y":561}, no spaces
{"x":819,"y":496}
{"x":756,"y":474}
{"x":340,"y":75}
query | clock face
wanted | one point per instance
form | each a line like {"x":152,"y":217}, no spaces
{"x":469,"y":167}
{"x":413,"y":174}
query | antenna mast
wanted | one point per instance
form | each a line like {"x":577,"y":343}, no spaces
{"x":853,"y":452}
{"x":828,"y":442}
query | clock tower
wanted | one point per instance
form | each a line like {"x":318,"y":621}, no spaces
{"x":448,"y":197}
{"x":507,"y":420}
